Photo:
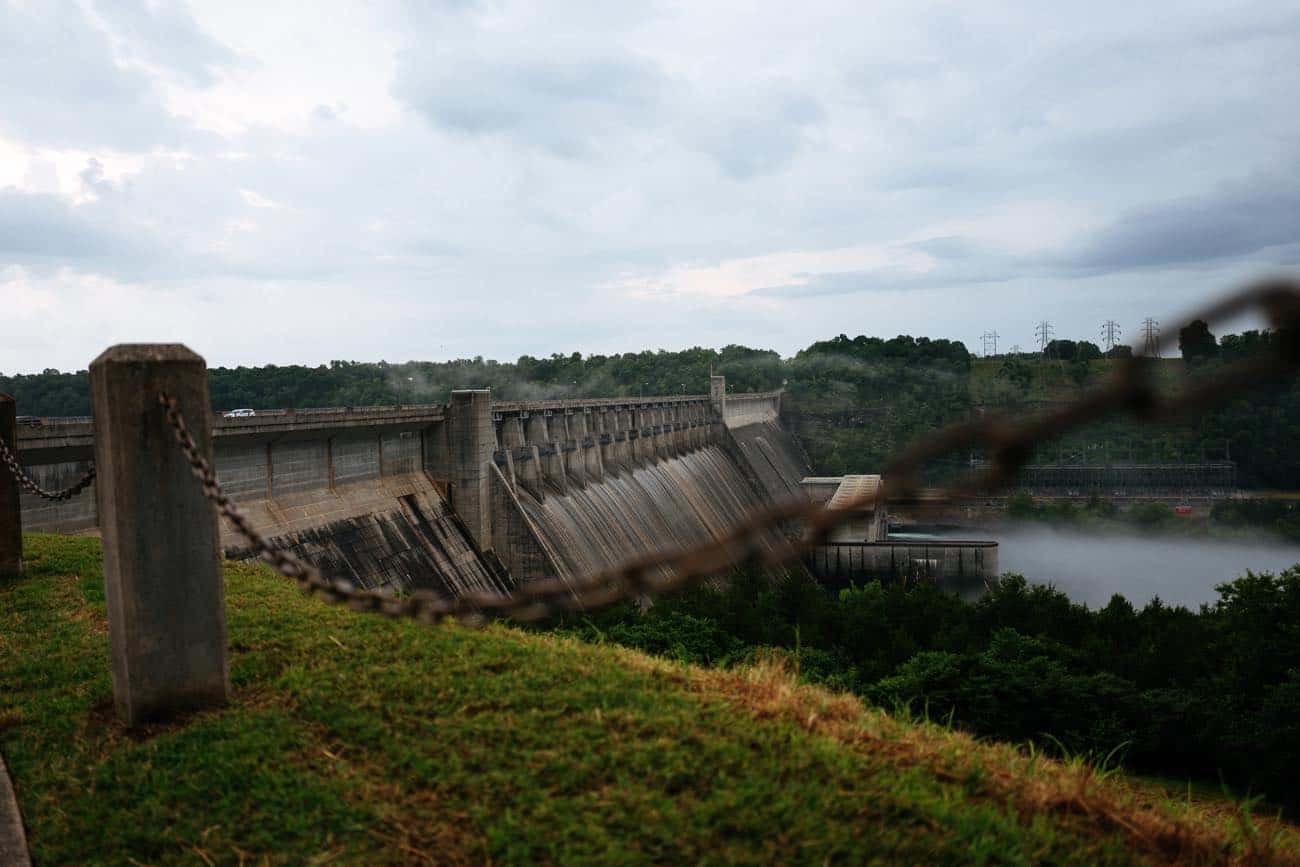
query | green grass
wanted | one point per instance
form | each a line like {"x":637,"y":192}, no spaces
{"x":354,"y":739}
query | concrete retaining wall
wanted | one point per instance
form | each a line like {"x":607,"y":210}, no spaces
{"x":958,"y":565}
{"x":743,"y":409}
{"x":72,"y":516}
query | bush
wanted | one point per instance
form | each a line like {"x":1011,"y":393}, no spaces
{"x":1151,"y":515}
{"x":1020,"y":505}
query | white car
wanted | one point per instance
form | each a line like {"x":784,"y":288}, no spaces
{"x":238,"y":413}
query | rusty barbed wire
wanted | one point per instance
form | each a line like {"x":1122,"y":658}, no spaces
{"x":1011,"y":445}
{"x":10,"y":459}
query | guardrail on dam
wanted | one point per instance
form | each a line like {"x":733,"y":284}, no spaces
{"x":474,"y":494}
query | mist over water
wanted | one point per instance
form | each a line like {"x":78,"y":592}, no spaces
{"x":1090,"y":567}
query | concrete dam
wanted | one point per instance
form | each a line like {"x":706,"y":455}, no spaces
{"x":475,"y":494}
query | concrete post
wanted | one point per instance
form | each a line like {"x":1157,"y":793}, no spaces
{"x":512,"y":432}
{"x":11,"y":516}
{"x":718,"y":393}
{"x":472,"y":439}
{"x":535,"y":430}
{"x":162,"y":574}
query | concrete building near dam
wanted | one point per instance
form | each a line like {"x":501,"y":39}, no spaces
{"x":861,"y":549}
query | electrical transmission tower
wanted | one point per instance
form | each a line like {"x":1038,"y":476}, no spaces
{"x":1110,"y":332}
{"x":990,"y":338}
{"x":1043,"y":332}
{"x":1151,"y":333}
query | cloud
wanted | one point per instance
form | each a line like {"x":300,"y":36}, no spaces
{"x":756,"y":133}
{"x":1235,"y":219}
{"x":61,"y":86}
{"x":560,"y":104}
{"x":256,"y":200}
{"x":36,"y":227}
{"x":1238,"y":219}
{"x":163,"y":34}
{"x":93,"y":181}
{"x":512,"y":176}
{"x":946,"y":263}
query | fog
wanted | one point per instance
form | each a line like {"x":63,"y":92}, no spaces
{"x":1091,"y":567}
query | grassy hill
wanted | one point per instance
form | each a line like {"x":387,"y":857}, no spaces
{"x":353,"y":739}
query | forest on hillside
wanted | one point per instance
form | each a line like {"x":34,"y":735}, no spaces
{"x":852,"y":402}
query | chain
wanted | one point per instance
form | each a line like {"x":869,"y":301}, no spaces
{"x":761,"y":540}
{"x":10,"y":460}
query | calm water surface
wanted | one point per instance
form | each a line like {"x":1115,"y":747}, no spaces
{"x":1091,"y":567}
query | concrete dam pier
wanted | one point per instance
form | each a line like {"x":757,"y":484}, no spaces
{"x":475,"y":494}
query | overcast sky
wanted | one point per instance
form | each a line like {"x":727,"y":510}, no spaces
{"x":426,"y":181}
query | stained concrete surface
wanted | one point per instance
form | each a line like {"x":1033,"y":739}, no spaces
{"x":13,"y":840}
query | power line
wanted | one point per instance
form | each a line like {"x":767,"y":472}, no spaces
{"x":990,"y":338}
{"x":1110,"y":332}
{"x":1151,"y":331}
{"x":1043,"y":332}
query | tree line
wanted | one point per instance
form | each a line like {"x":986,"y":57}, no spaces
{"x":903,"y":388}
{"x":355,"y":383}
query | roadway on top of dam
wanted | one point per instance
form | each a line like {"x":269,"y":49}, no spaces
{"x":73,"y":437}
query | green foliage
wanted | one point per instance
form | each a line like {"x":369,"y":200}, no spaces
{"x":1151,"y":516}
{"x":1101,"y":513}
{"x":1020,"y":505}
{"x":909,"y":386}
{"x":1087,"y":351}
{"x":1101,"y":507}
{"x":1184,"y":693}
{"x":1017,"y":688}
{"x":1279,"y":515}
{"x":685,"y":638}
{"x":1018,"y":372}
{"x":1071,"y":350}
{"x":1257,"y":429}
{"x":1080,"y":372}
{"x":49,"y":392}
{"x":1195,"y":341}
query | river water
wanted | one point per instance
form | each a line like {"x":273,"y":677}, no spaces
{"x":1091,"y":567}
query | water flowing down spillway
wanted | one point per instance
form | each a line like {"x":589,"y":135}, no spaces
{"x":774,"y":457}
{"x":673,"y":503}
{"x":417,"y":543}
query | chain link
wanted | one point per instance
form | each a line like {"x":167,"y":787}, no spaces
{"x":763,"y":540}
{"x":10,"y":459}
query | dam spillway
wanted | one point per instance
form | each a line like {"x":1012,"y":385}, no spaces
{"x":474,"y":495}
{"x":671,"y":503}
